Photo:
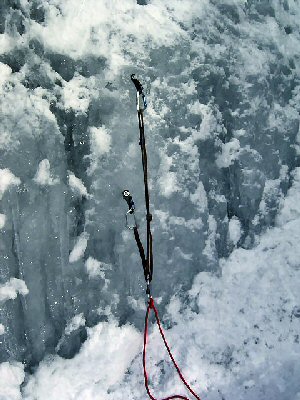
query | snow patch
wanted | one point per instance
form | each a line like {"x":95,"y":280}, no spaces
{"x":76,"y":94}
{"x":290,"y":207}
{"x":6,"y":141}
{"x":11,"y":377}
{"x":73,"y":29}
{"x":235,"y":230}
{"x":77,"y":185}
{"x":2,"y":220}
{"x":100,"y":141}
{"x":75,"y":323}
{"x":99,"y":369}
{"x":6,"y":43}
{"x":100,"y":144}
{"x":7,"y":179}
{"x":168,"y":222}
{"x":230,"y":152}
{"x":199,"y":197}
{"x":208,"y":124}
{"x":97,"y":268}
{"x":168,"y":184}
{"x":210,"y":242}
{"x":43,"y":175}
{"x":5,"y":73}
{"x":136,"y":304}
{"x":10,"y":289}
{"x":2,"y":329}
{"x":79,"y":248}
{"x":93,"y":267}
{"x":167,"y":181}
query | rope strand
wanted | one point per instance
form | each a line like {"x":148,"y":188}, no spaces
{"x":151,"y":306}
{"x":147,"y":259}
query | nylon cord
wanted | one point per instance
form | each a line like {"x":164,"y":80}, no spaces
{"x":151,"y":306}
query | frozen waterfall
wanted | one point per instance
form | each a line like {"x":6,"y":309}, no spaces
{"x":222,"y":126}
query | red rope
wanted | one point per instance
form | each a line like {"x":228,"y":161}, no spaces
{"x":151,"y":306}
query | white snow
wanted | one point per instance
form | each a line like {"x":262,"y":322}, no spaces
{"x":94,"y":372}
{"x":199,"y":197}
{"x":290,"y":205}
{"x":2,"y":220}
{"x":100,"y":141}
{"x":96,"y":268}
{"x":230,"y":152}
{"x":77,"y":31}
{"x":5,"y":72}
{"x":79,"y":248}
{"x":77,"y":185}
{"x":208,"y":124}
{"x":234,"y":229}
{"x":76,"y":322}
{"x":93,"y":267}
{"x":5,"y":43}
{"x":6,"y":141}
{"x":168,"y":184}
{"x":76,"y":94}
{"x":168,"y":222}
{"x":11,"y":377}
{"x":2,"y":329}
{"x":210,"y":242}
{"x":167,"y":181}
{"x":7,"y":179}
{"x":11,"y":288}
{"x":43,"y":175}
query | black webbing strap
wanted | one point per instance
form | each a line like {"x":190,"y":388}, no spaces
{"x":149,"y":255}
{"x":137,"y":84}
{"x":147,"y":260}
{"x":141,"y":251}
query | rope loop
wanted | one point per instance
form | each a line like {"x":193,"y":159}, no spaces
{"x":151,"y":306}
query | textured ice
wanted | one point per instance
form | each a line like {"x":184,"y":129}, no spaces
{"x":235,"y":336}
{"x":222,"y":127}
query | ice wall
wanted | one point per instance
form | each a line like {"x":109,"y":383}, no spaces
{"x":222,"y":127}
